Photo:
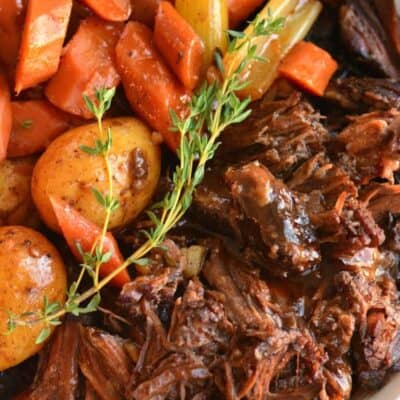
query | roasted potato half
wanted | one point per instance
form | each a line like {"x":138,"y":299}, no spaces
{"x":16,"y":206}
{"x":30,"y":269}
{"x":66,"y":171}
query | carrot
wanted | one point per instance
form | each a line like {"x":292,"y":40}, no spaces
{"x":111,"y":10}
{"x":87,"y":64}
{"x":150,"y":87}
{"x":179,"y":44}
{"x":42,"y":40}
{"x":35,"y":124}
{"x":80,"y":232}
{"x":5,"y":117}
{"x":308,"y":66}
{"x":240,"y":10}
{"x":10,"y":31}
{"x":144,"y":11}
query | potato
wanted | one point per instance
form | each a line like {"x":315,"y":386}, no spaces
{"x":30,"y":268}
{"x":66,"y":171}
{"x":16,"y":206}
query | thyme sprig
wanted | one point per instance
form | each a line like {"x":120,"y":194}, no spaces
{"x":92,"y":260}
{"x":212,"y":109}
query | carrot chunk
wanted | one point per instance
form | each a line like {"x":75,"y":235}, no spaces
{"x":35,"y":124}
{"x":78,"y":231}
{"x":309,"y":67}
{"x":150,"y":87}
{"x":42,"y":40}
{"x":87,"y":64}
{"x":240,"y":10}
{"x":179,"y":44}
{"x":144,"y":11}
{"x":10,"y":31}
{"x":5,"y":117}
{"x":111,"y":10}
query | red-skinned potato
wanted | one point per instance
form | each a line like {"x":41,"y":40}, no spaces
{"x":30,"y":269}
{"x":67,"y":172}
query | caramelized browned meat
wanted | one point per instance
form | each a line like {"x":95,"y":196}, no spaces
{"x":57,"y":375}
{"x":246,"y":298}
{"x":104,"y":363}
{"x":171,"y":377}
{"x":382,"y":199}
{"x":376,"y":345}
{"x":388,"y":11}
{"x":279,"y":134}
{"x":365,"y":37}
{"x":213,"y":205}
{"x":155,"y":289}
{"x":199,"y":321}
{"x":372,"y":144}
{"x":364,"y":94}
{"x":324,"y":183}
{"x":278,"y":216}
{"x":268,"y":349}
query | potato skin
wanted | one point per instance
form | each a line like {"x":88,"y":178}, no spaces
{"x":64,"y":170}
{"x":30,"y":267}
{"x":16,"y":205}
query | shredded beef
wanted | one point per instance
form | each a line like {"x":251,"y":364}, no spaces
{"x":104,"y":363}
{"x":360,"y":95}
{"x":280,"y":134}
{"x":57,"y":374}
{"x":294,"y":295}
{"x":364,"y":36}
{"x":372,"y":146}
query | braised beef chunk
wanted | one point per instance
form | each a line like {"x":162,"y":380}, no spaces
{"x":376,"y":344}
{"x":213,"y":206}
{"x":382,"y":200}
{"x":323,"y":182}
{"x":176,"y":374}
{"x":104,"y":363}
{"x":199,"y":321}
{"x":372,"y":146}
{"x":246,"y":298}
{"x":280,"y":134}
{"x":360,"y":94}
{"x":57,"y":375}
{"x":279,"y":217}
{"x":269,"y":353}
{"x":364,"y":36}
{"x":388,"y":11}
{"x":157,"y":289}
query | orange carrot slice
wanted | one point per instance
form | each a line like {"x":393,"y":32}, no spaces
{"x":240,"y":10}
{"x":179,"y":44}
{"x":87,"y":64}
{"x":309,"y":67}
{"x":5,"y":117}
{"x":111,"y":10}
{"x":150,"y":87}
{"x":80,"y":232}
{"x":42,"y":40}
{"x":35,"y":124}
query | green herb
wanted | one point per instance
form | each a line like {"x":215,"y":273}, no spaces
{"x":92,"y":260}
{"x":212,"y":109}
{"x":26,"y":123}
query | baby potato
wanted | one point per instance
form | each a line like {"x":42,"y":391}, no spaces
{"x":16,"y":206}
{"x":66,"y":171}
{"x":30,"y":268}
